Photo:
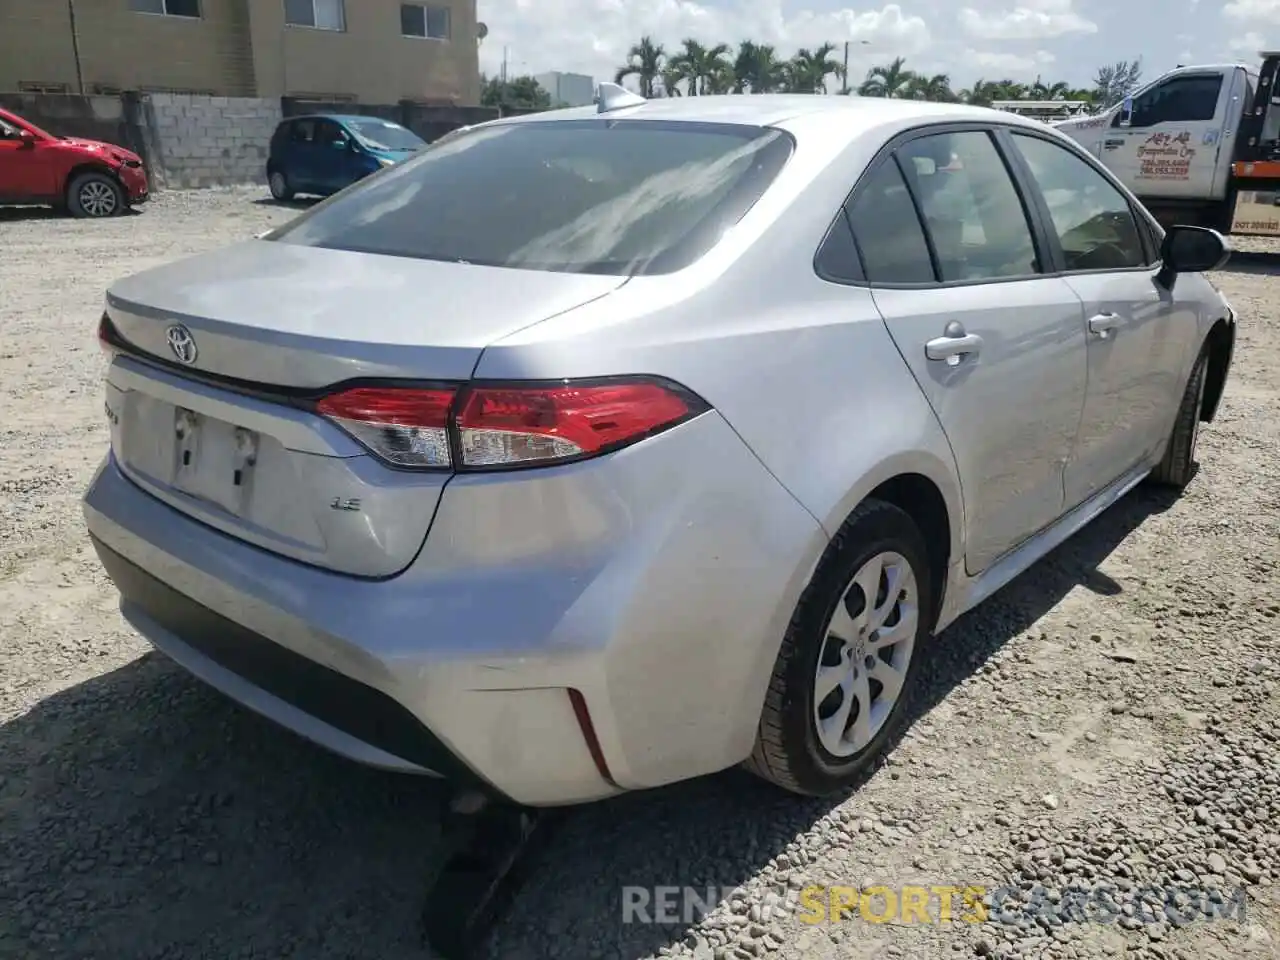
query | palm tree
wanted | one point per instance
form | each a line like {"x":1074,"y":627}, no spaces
{"x":703,"y":68}
{"x":644,"y":61}
{"x":936,"y":88}
{"x":890,"y":81}
{"x":809,"y":69}
{"x":1057,"y":90}
{"x":979,"y":95}
{"x":669,"y":82}
{"x":758,"y":69}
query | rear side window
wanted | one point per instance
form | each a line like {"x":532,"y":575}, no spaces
{"x":1093,"y":220}
{"x":888,"y":230}
{"x":971,"y":208}
{"x":302,"y":131}
{"x":591,"y":196}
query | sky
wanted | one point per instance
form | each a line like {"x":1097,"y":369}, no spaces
{"x":968,"y":40}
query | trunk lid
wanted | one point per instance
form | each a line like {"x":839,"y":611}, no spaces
{"x":281,"y":316}
{"x":293,"y":316}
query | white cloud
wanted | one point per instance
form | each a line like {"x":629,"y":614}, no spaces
{"x":593,"y":36}
{"x":1252,"y":10}
{"x":1248,"y":45}
{"x":1031,"y":20}
{"x":1011,"y":66}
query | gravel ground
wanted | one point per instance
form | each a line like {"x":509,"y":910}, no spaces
{"x":1102,"y":734}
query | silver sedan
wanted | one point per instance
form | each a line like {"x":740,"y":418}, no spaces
{"x":598,"y":449}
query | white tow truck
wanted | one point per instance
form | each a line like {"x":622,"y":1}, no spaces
{"x":1199,"y":145}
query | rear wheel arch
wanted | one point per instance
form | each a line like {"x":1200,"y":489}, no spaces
{"x":1219,"y":345}
{"x":920,"y":498}
{"x":923,"y":486}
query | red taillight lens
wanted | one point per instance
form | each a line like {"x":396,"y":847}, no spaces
{"x":104,"y":335}
{"x":408,"y":427}
{"x":509,"y":425}
{"x":505,"y":425}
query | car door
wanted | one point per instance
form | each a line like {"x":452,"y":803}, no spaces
{"x":1169,"y":147}
{"x":25,"y":173}
{"x":300,"y":151}
{"x":333,"y":156}
{"x":956,"y":270}
{"x":1138,"y":334}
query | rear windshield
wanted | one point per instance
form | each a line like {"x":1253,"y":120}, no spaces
{"x":581,"y":196}
{"x":384,"y":135}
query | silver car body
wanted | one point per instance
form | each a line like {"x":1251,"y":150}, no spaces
{"x":568,"y":633}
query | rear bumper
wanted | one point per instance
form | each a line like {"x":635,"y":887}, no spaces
{"x":655,"y":583}
{"x":362,"y":722}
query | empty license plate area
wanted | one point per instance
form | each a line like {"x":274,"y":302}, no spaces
{"x":277,"y":477}
{"x":213,"y":460}
{"x":192,"y":453}
{"x":239,"y":479}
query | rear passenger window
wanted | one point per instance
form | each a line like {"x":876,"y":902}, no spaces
{"x":1093,"y":220}
{"x":303,"y":131}
{"x":837,"y":258}
{"x":971,"y":208}
{"x":888,"y":231}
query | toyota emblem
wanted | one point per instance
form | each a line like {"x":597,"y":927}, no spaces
{"x":181,"y":343}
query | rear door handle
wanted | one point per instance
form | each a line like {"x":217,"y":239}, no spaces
{"x":953,"y":347}
{"x":1102,"y":324}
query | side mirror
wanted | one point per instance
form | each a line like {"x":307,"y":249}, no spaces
{"x":1191,"y":250}
{"x":26,"y":139}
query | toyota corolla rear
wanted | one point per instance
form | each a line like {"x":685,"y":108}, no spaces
{"x":553,"y":589}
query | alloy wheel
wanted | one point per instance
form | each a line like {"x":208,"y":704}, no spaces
{"x":867,"y":648}
{"x":98,"y":199}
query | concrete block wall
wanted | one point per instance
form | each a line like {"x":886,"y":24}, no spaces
{"x":193,"y":140}
{"x":201,"y":141}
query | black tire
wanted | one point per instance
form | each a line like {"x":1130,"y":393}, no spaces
{"x":1178,"y":465}
{"x":788,"y":752}
{"x":279,"y":186}
{"x":95,"y":196}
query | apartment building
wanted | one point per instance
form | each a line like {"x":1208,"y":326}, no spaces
{"x":365,"y":51}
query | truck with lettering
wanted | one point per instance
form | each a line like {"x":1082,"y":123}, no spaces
{"x":1198,"y":145}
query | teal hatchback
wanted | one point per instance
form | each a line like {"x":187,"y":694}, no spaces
{"x":322,"y":153}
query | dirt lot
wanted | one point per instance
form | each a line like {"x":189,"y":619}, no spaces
{"x":1109,"y":722}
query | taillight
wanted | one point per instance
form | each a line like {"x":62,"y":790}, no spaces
{"x":506,"y":425}
{"x":104,"y":335}
{"x":491,"y":426}
{"x":405,"y":426}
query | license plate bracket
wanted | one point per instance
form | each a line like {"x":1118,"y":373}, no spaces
{"x":213,"y":460}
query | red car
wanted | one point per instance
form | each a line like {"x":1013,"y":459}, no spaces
{"x":87,"y":177}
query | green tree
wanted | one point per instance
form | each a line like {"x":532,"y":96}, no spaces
{"x":700,"y":68}
{"x":703,"y":69}
{"x":808,"y":70}
{"x":936,"y":88}
{"x":520,"y":93}
{"x":1115,"y":82}
{"x":887,"y":81}
{"x":669,"y":83}
{"x":645,"y":62}
{"x":758,"y":69}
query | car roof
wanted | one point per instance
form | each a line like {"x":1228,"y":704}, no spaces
{"x":771,"y":109}
{"x":338,"y":117}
